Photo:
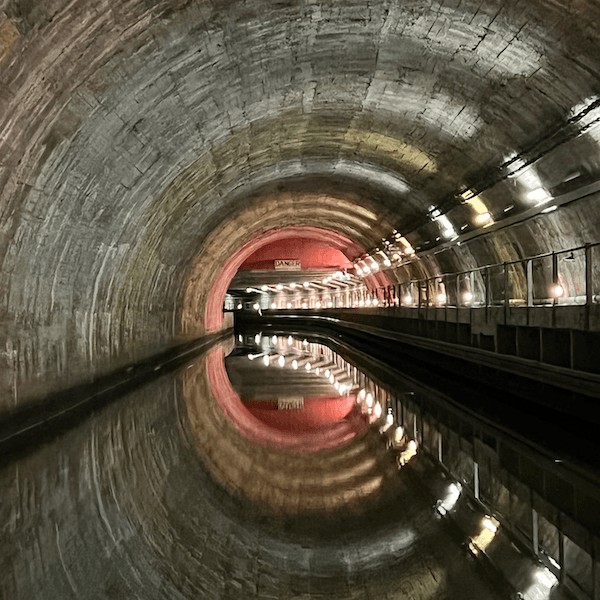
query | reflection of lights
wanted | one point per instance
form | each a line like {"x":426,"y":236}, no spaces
{"x":451,"y":498}
{"x":257,"y":338}
{"x":279,"y":286}
{"x":369,"y":400}
{"x":387,"y":262}
{"x":358,"y":270}
{"x":442,"y":298}
{"x":308,"y":366}
{"x":375,"y":302}
{"x":550,"y":209}
{"x":306,"y":284}
{"x":281,"y":361}
{"x":467,"y":296}
{"x":264,"y":288}
{"x":377,"y":410}
{"x":329,"y":304}
{"x":361,"y":303}
{"x":481,"y":541}
{"x":389,"y":419}
{"x":239,"y":307}
{"x":293,"y":285}
{"x":240,"y":338}
{"x":545,"y":577}
{"x":408,"y":452}
{"x":331,"y":378}
{"x":290,"y":340}
{"x":266,"y":360}
{"x":318,"y":305}
{"x":362,"y":394}
{"x":317,"y":371}
{"x":343,"y":388}
{"x":489,"y":524}
{"x":274,"y":339}
{"x":304,"y":305}
{"x":366,"y":269}
{"x":305,"y":342}
{"x":256,"y":306}
{"x":289,"y":305}
{"x":483,"y":217}
{"x":274,"y":305}
{"x":509,"y":207}
{"x":398,"y":434}
{"x":336,"y":385}
{"x":408,"y":299}
{"x":368,"y":302}
{"x":557,"y":290}
{"x":295,"y":364}
{"x":374,"y":267}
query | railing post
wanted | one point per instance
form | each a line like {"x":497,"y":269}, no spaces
{"x":488,"y":294}
{"x":554,"y":278}
{"x":589,"y":284}
{"x":529,"y":280}
{"x":506,"y":293}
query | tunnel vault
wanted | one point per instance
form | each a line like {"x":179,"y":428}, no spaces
{"x":144,"y":144}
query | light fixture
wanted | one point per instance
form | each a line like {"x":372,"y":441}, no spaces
{"x":362,"y":394}
{"x":306,"y":284}
{"x":290,"y":340}
{"x":377,"y":410}
{"x":274,"y":305}
{"x":294,"y":364}
{"x":240,"y":306}
{"x":281,"y":361}
{"x":549,"y":209}
{"x":256,"y":306}
{"x":264,"y":288}
{"x":318,"y":305}
{"x":279,"y":286}
{"x":467,"y":296}
{"x":308,"y":366}
{"x":293,"y":286}
{"x":539,"y":195}
{"x":408,"y":299}
{"x":369,"y":400}
{"x":557,"y":290}
{"x":266,"y":360}
{"x":289,"y":305}
{"x":483,"y":217}
{"x":274,"y":339}
{"x":442,"y":298}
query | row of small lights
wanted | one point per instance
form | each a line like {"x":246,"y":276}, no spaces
{"x":483,"y":217}
{"x":341,"y":387}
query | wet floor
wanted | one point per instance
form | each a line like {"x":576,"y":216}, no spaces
{"x":165,"y":494}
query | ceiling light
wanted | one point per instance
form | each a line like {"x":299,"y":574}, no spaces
{"x":539,"y":195}
{"x":550,"y":209}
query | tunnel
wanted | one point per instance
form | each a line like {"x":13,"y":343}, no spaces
{"x":386,"y":181}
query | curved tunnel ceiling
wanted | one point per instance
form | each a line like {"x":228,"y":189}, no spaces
{"x":135,"y":136}
{"x":146,"y":146}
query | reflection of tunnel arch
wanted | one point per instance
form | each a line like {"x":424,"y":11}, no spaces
{"x":145,"y":146}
